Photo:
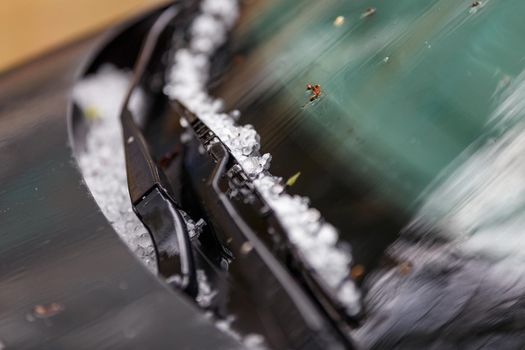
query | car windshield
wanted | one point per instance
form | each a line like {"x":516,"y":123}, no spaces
{"x":411,"y":127}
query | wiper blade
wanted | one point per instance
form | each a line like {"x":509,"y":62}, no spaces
{"x":148,"y":187}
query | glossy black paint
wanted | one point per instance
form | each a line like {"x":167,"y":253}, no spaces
{"x":56,"y":248}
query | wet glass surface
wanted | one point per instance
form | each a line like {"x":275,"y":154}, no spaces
{"x":410,"y":92}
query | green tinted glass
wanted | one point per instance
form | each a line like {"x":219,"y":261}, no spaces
{"x":409,"y":90}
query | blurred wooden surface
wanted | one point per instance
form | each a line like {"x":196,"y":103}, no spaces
{"x":31,"y":27}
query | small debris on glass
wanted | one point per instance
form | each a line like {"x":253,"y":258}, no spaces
{"x":293,"y":179}
{"x":405,"y":268}
{"x":315,"y":90}
{"x":91,"y":112}
{"x":46,"y":311}
{"x":339,"y":21}
{"x":239,"y":59}
{"x":368,"y":12}
{"x":357,"y":271}
{"x":246,"y":248}
{"x":475,"y":6}
{"x":168,"y":157}
{"x":503,"y":84}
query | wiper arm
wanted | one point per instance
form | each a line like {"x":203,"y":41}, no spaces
{"x":148,"y":188}
{"x":284,"y":250}
{"x":275,"y":252}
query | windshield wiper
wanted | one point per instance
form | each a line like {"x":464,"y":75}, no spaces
{"x":149,"y":190}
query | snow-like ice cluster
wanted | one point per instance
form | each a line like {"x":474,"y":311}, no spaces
{"x":251,"y":341}
{"x":316,"y":239}
{"x":103,"y":163}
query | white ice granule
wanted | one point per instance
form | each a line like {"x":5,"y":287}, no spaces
{"x":206,"y":292}
{"x":251,"y":341}
{"x":317,"y":240}
{"x":102,"y":161}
